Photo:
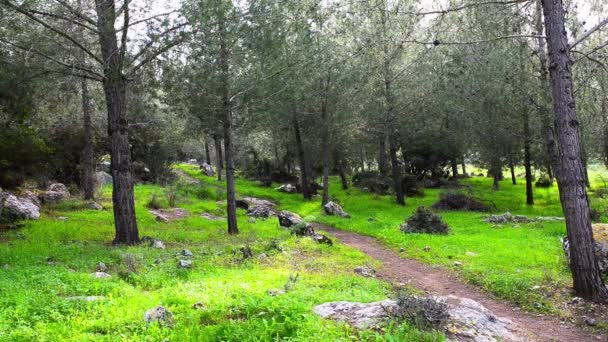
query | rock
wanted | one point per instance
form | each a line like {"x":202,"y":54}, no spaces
{"x":192,"y":162}
{"x":158,"y":261}
{"x":457,"y":263}
{"x":51,"y":197}
{"x":161,"y":218}
{"x":101,"y":267}
{"x":199,"y":306}
{"x":94,"y":206}
{"x":499,"y":219}
{"x":401,"y":250}
{"x":426,"y":248}
{"x":260,"y":211}
{"x":365,"y":271}
{"x":207,"y":169}
{"x":59,"y":187}
{"x":184,"y":263}
{"x":288,"y":219}
{"x":359,"y":315}
{"x":86,"y":298}
{"x":275,"y":292}
{"x":100,"y":275}
{"x":332,"y":208}
{"x":166,"y":215}
{"x":467,"y":320}
{"x":103,"y":178}
{"x":600,"y":235}
{"x":287,"y":188}
{"x":590,"y":322}
{"x":186,"y":253}
{"x":471,"y":254}
{"x":263,"y":256}
{"x":246,"y":251}
{"x":13,"y":208}
{"x":210,"y":217}
{"x":105,"y":166}
{"x":158,"y":314}
{"x":320,"y":238}
{"x":32,"y":197}
{"x":251,"y":220}
{"x":62,"y":218}
{"x":252,"y":201}
{"x":242,"y":204}
{"x":152,"y":242}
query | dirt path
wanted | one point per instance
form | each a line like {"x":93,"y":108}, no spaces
{"x":531,"y":327}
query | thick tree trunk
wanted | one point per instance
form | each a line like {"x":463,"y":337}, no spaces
{"x":115,"y":93}
{"x":528,"y":158}
{"x":227,"y":121}
{"x":454,"y":169}
{"x":305,"y":183}
{"x":217,"y":142}
{"x":324,"y":87}
{"x":570,"y":179}
{"x":207,"y":153}
{"x":512,"y":168}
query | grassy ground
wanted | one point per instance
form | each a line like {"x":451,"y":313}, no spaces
{"x":523,"y":263}
{"x":50,"y":260}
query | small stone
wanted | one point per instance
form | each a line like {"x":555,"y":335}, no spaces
{"x":365,"y":271}
{"x":426,"y":248}
{"x":158,"y":244}
{"x":100,"y":275}
{"x":94,"y":206}
{"x":401,"y":250}
{"x":332,"y":208}
{"x":186,"y":253}
{"x":101,"y":267}
{"x":535,"y":287}
{"x":157,"y":261}
{"x":158,"y":314}
{"x":251,"y":219}
{"x":371,"y":219}
{"x":538,"y":305}
{"x":275,"y":292}
{"x":457,"y":263}
{"x":263,"y":256}
{"x":184,"y":263}
{"x":576,"y":300}
{"x":162,"y":218}
{"x":322,"y":239}
{"x":86,"y":298}
{"x":62,"y":218}
{"x":199,"y":306}
{"x":471,"y":254}
{"x":590,"y":322}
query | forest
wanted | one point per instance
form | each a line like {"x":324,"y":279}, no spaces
{"x":310,"y":170}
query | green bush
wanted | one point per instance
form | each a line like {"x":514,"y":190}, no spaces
{"x":425,"y":221}
{"x":544,"y":182}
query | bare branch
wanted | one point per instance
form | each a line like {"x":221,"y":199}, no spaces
{"x":93,"y":75}
{"x":164,"y":49}
{"x":77,"y":13}
{"x":137,"y":22}
{"x":586,"y":55}
{"x":156,"y":53}
{"x":71,"y":20}
{"x":28,"y":14}
{"x":459,"y":8}
{"x":437,"y":42}
{"x":588,"y":33}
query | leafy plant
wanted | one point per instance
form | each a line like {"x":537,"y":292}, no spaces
{"x":425,"y":221}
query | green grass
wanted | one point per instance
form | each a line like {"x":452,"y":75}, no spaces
{"x":523,"y":263}
{"x":49,"y":260}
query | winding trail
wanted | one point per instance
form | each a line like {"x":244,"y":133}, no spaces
{"x":530,"y":327}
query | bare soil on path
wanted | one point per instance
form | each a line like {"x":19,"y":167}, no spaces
{"x":531,"y":327}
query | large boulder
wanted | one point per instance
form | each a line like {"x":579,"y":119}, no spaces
{"x":288,"y":219}
{"x":252,"y":201}
{"x":260,"y":211}
{"x":600,"y":235}
{"x":56,"y":192}
{"x":207,"y":169}
{"x":332,"y":208}
{"x":463,"y":319}
{"x":13,"y":208}
{"x":103,"y":178}
{"x":287,"y":188}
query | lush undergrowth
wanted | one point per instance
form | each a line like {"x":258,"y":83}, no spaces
{"x":44,"y":265}
{"x":523,"y":263}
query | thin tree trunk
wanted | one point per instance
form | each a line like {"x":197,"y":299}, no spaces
{"x":115,"y":93}
{"x":528,"y":158}
{"x":227,"y":121}
{"x":324,"y":87}
{"x":207,"y":153}
{"x":464,"y":166}
{"x":512,"y":168}
{"x":339,"y":162}
{"x":217,"y":142}
{"x":588,"y":282}
{"x":302,"y":159}
{"x":382,"y":159}
{"x":454,"y":169}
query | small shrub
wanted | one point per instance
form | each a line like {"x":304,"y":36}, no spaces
{"x":425,"y":221}
{"x":411,"y":187}
{"x":302,"y":229}
{"x":424,"y":313}
{"x":544,"y":182}
{"x":594,"y":215}
{"x":459,"y":201}
{"x":154,"y":202}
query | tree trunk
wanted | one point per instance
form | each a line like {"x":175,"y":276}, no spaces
{"x":227,"y":121}
{"x":339,"y":162}
{"x":302,"y":159}
{"x":528,"y":158}
{"x":207,"y":154}
{"x":512,"y":168}
{"x":324,"y":85}
{"x":464,"y":166}
{"x":115,"y":93}
{"x":454,"y":169}
{"x":382,"y":163}
{"x":217,"y":142}
{"x":588,"y":283}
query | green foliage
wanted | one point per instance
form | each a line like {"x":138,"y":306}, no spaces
{"x":460,"y":201}
{"x":544,"y":181}
{"x":372,"y":181}
{"x":425,"y":221}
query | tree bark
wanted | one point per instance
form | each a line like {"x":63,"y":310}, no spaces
{"x":217,"y":142}
{"x":454,"y":169}
{"x":339,"y":162}
{"x":512,"y":168}
{"x":207,"y":154}
{"x":464,"y":166}
{"x":528,"y":158}
{"x":302,"y":159}
{"x":88,"y":155}
{"x":588,"y":283}
{"x":382,"y":158}
{"x":115,"y":93}
{"x":324,"y":87}
{"x":227,"y":121}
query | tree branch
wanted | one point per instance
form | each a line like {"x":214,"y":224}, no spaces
{"x":77,"y":13}
{"x":588,"y":33}
{"x":164,"y":49}
{"x":28,"y":14}
{"x":459,"y":8}
{"x":156,"y":53}
{"x":437,"y":42}
{"x":123,"y":39}
{"x":137,"y":22}
{"x":70,"y":20}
